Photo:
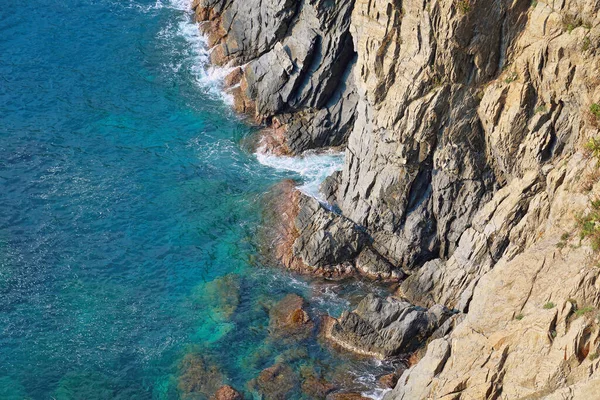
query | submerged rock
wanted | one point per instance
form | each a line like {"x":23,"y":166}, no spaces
{"x":288,"y":318}
{"x":386,"y":327}
{"x":219,"y":298}
{"x":227,"y":393}
{"x":198,"y":377}
{"x":315,"y":386}
{"x":275,"y":383}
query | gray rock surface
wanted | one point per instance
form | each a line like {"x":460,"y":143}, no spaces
{"x":326,"y":240}
{"x":387,"y":327}
{"x":297,"y":58}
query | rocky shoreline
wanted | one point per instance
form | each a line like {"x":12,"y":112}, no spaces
{"x":471,"y":180}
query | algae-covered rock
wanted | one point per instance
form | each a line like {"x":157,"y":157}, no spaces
{"x":198,"y":377}
{"x":288,"y":318}
{"x":275,"y":383}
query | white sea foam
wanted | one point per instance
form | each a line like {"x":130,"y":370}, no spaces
{"x":196,"y":53}
{"x":312,"y":167}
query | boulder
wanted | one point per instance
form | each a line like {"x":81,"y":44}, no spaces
{"x":226,"y":392}
{"x":288,"y":318}
{"x":386,"y":327}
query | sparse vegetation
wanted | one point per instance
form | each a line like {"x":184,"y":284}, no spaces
{"x":593,"y":356}
{"x":582,"y":311}
{"x":589,"y":226}
{"x":570,"y":22}
{"x":595,"y":110}
{"x":593,"y":115}
{"x":549,"y":305}
{"x":519,"y":317}
{"x":585,"y":45}
{"x":541,"y":109}
{"x":534,"y":3}
{"x":511,"y":77}
{"x":563,"y":240}
{"x":464,"y":6}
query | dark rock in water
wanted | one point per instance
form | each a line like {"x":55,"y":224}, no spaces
{"x":198,"y":377}
{"x":288,"y":318}
{"x":227,"y":393}
{"x":386,"y":327}
{"x":308,"y":237}
{"x":314,"y":386}
{"x":330,"y":186}
{"x":389,"y":381}
{"x":275,"y":383}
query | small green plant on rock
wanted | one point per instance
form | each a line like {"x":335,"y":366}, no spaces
{"x":549,"y":305}
{"x":464,"y":6}
{"x":534,"y":3}
{"x":589,"y":225}
{"x":595,"y":110}
{"x":582,"y":311}
{"x":593,"y":356}
{"x":570,"y":22}
{"x":511,"y":77}
{"x":541,"y":109}
{"x":585,"y":45}
{"x":519,"y":317}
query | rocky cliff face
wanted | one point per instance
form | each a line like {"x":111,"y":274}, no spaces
{"x":465,"y":124}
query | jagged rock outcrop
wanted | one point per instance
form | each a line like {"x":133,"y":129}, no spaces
{"x":532,"y":330}
{"x":296,"y":59}
{"x":386,"y":327}
{"x":465,"y":122}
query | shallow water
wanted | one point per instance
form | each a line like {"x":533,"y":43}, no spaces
{"x":124,"y":193}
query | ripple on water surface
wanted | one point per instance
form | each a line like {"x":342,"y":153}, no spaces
{"x":128,"y":213}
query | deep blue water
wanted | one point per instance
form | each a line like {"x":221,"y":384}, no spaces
{"x":124,"y":194}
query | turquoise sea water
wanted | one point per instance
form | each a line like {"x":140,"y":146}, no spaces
{"x":129,"y":212}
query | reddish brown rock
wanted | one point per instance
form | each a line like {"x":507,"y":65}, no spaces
{"x":388,"y":381}
{"x":288,"y":318}
{"x":198,"y":377}
{"x":234,"y":77}
{"x":275,"y":383}
{"x":227,"y":393}
{"x":280,"y":215}
{"x":316,"y":387}
{"x":273,"y":139}
{"x":241,"y":102}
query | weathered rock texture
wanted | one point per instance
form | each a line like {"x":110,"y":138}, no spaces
{"x":465,"y":122}
{"x":296,"y":59}
{"x":388,"y":327}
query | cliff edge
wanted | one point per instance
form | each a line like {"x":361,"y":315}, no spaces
{"x":472,"y":178}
